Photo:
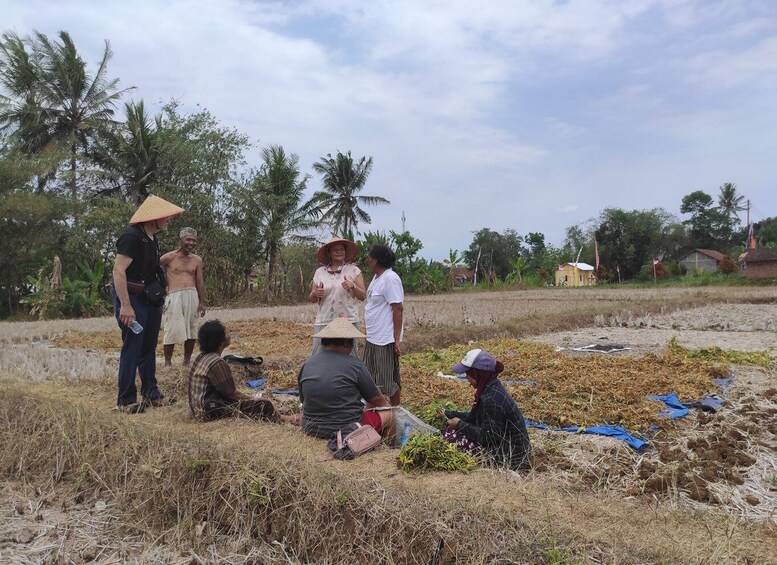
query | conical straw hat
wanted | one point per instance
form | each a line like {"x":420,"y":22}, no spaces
{"x":340,"y":328}
{"x":154,"y":208}
{"x":351,"y":251}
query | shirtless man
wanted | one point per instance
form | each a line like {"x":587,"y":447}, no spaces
{"x":185,"y":296}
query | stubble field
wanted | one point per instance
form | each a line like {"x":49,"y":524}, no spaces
{"x":83,"y":483}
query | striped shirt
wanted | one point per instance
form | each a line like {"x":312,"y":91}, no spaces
{"x":210,"y":378}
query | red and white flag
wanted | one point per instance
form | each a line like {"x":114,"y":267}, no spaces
{"x":596,"y":252}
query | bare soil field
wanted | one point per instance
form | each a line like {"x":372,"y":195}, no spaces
{"x":82,"y":483}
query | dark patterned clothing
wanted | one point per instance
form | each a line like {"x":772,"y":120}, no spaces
{"x":212,"y":390}
{"x":497,"y":425}
{"x":462,"y":443}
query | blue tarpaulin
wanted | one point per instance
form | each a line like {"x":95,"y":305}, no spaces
{"x":709,"y":403}
{"x":617,"y":432}
{"x":674,"y":408}
{"x":257,"y":383}
{"x":724,"y":383}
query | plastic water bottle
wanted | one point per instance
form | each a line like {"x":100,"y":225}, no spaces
{"x":406,"y":431}
{"x":135,"y":327}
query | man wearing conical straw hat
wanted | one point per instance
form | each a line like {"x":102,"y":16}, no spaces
{"x":138,"y":297}
{"x":333,"y":383}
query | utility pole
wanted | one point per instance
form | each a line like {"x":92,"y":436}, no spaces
{"x":477,"y":263}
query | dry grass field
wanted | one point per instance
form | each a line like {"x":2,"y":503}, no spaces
{"x":83,"y":483}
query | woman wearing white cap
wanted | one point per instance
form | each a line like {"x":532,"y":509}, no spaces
{"x":494,"y":426}
{"x":337,"y":286}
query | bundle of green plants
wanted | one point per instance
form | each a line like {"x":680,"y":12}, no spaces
{"x":432,"y":413}
{"x":430,"y":452}
{"x":717,"y":355}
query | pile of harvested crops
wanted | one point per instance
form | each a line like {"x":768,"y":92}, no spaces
{"x":550,"y":387}
{"x":717,"y":355}
{"x":560,"y":390}
{"x":430,"y":452}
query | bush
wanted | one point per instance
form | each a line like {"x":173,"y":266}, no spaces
{"x":727,"y":266}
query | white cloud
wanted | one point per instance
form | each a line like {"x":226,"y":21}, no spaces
{"x":721,"y":68}
{"x":530,"y":109}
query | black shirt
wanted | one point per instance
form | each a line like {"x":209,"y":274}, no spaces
{"x":144,"y":252}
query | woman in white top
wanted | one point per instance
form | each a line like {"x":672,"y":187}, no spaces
{"x":383,"y":317}
{"x":337,"y":286}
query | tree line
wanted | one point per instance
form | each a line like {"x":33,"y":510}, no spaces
{"x":74,"y":164}
{"x":76,"y":159}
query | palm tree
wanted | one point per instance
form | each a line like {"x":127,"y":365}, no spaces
{"x":729,"y":202}
{"x":77,"y":103}
{"x":128,"y":155}
{"x":340,"y":201}
{"x":21,"y":111}
{"x":52,"y":99}
{"x":279,"y":198}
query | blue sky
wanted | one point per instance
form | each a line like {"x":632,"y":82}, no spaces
{"x":503,"y":114}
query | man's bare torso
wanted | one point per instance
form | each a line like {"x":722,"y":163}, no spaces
{"x":181,"y":269}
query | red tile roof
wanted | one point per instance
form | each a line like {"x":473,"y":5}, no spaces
{"x":717,"y":255}
{"x":760,"y":254}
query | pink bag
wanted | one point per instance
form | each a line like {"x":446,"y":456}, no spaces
{"x":363,"y":439}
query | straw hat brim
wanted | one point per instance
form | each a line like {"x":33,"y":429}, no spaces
{"x":154,"y":208}
{"x":351,"y":251}
{"x":339,"y":328}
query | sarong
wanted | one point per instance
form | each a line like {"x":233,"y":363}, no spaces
{"x":383,"y":365}
{"x":179,"y":319}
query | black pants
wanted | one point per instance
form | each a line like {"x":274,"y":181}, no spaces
{"x":138,"y":351}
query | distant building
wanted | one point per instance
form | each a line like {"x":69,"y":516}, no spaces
{"x":759,"y":263}
{"x":700,"y":261}
{"x":463,"y":275}
{"x":575,"y":274}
